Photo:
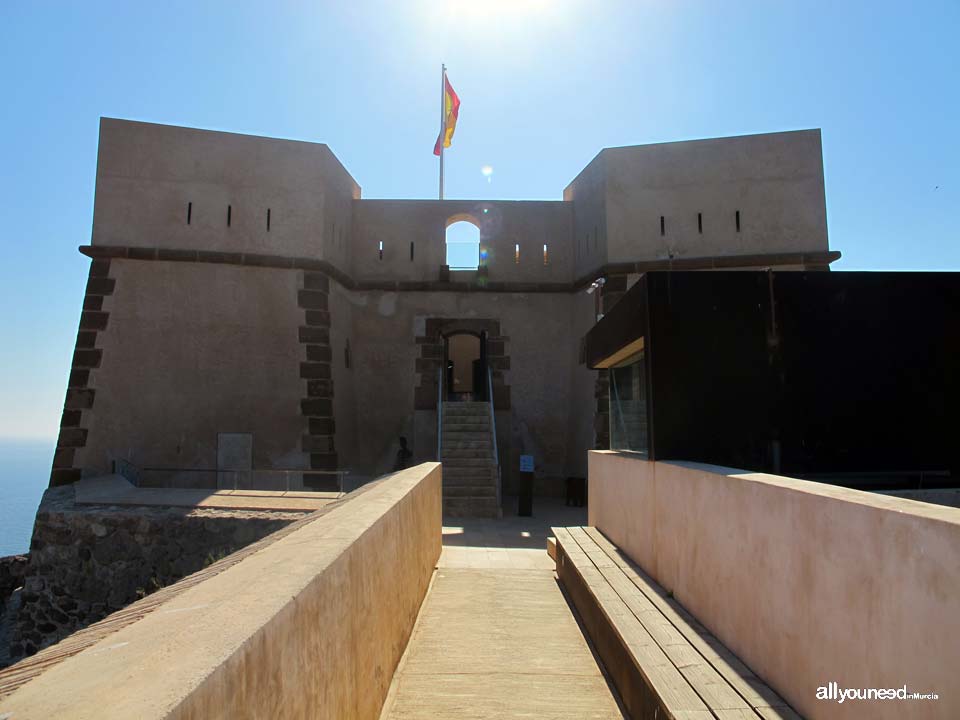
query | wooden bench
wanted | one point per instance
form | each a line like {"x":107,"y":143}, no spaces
{"x":662,"y":661}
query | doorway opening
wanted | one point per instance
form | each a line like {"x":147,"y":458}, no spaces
{"x":465,"y":360}
{"x":463,"y":243}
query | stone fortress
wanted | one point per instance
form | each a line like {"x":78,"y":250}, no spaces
{"x":261,"y":352}
{"x":240,"y":287}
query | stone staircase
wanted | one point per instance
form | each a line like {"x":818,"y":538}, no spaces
{"x":469,"y":468}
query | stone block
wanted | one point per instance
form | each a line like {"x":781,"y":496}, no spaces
{"x":315,"y":370}
{"x":80,"y":398}
{"x":87,"y":358}
{"x":316,"y":407}
{"x":100,"y":285}
{"x":318,"y":353}
{"x":320,"y":388}
{"x":318,"y":317}
{"x":70,"y":418}
{"x":93,"y":320}
{"x":322,"y":426}
{"x":316,"y":335}
{"x":99,"y":268}
{"x":316,"y":281}
{"x":312,"y":299}
{"x":72,"y":437}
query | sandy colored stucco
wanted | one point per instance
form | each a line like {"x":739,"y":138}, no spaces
{"x":195,"y":348}
{"x":503,"y":225}
{"x":148,"y":173}
{"x":312,"y":625}
{"x":775,"y":180}
{"x":543,"y":353}
{"x":807,"y":583}
{"x":191,"y":350}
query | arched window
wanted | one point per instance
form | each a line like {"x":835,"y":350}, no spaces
{"x":463,"y":243}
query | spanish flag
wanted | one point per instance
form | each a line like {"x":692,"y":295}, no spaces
{"x":451,"y":109}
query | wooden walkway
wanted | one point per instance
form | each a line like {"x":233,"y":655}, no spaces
{"x":495,"y":636}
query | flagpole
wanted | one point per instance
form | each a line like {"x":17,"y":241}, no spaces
{"x":443,"y":120}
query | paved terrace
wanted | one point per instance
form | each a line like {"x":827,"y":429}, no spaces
{"x":496,"y":636}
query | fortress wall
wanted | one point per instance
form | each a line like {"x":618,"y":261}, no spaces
{"x":503,"y":225}
{"x":191,"y":350}
{"x":539,"y":353}
{"x":588,"y":193}
{"x":775,"y":181}
{"x":585,"y":409}
{"x":148,"y":176}
{"x":348,"y":445}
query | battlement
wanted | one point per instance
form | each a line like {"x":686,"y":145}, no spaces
{"x":173,"y":188}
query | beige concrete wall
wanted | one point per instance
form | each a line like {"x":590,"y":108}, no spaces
{"x":807,"y":583}
{"x":190,"y":350}
{"x":588,"y":193}
{"x":147,"y":174}
{"x":313,"y":625}
{"x":503,"y":224}
{"x":775,"y":181}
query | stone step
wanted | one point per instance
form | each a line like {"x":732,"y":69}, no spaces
{"x":471,"y":474}
{"x":472,"y":444}
{"x":467,"y":416}
{"x":462,"y":491}
{"x":460,"y":462}
{"x":471,"y":507}
{"x":450,"y":453}
{"x":466,"y":407}
{"x":487,"y":481}
{"x":465,"y":432}
{"x":471,"y":420}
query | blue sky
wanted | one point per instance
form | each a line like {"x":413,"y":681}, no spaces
{"x":544,"y":85}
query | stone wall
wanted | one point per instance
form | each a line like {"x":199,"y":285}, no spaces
{"x":89,"y":561}
{"x":12,"y":570}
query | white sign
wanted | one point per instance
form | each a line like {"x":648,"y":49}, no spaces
{"x":526,"y":463}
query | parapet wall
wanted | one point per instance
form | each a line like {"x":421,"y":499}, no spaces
{"x":87,"y":561}
{"x":312,"y":624}
{"x":807,"y":583}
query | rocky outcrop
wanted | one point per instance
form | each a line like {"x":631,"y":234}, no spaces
{"x":89,"y":561}
{"x":12,"y":570}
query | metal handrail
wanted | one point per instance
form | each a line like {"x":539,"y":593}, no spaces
{"x":134,"y":474}
{"x":493,"y":427}
{"x":439,"y":412}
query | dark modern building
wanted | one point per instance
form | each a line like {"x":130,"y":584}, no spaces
{"x":849,"y":378}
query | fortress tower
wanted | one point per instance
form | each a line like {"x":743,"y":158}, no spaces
{"x":244,"y":299}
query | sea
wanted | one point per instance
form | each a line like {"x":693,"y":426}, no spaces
{"x":24,"y":475}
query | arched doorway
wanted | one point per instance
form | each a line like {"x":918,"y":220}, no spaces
{"x":463,"y":242}
{"x":465,"y":360}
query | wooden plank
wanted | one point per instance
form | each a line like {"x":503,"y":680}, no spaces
{"x":656,"y":670}
{"x":712,"y":687}
{"x":760,"y":696}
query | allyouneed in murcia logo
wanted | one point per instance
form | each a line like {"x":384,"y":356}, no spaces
{"x":832,"y":691}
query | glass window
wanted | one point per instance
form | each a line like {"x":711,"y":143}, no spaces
{"x":628,"y":405}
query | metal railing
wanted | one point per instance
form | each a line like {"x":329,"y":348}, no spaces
{"x":493,"y":429}
{"x":270,"y":479}
{"x":439,"y":412}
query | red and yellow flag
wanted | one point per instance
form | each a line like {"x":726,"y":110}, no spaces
{"x":451,"y":109}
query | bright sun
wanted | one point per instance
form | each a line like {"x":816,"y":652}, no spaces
{"x":482,"y":9}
